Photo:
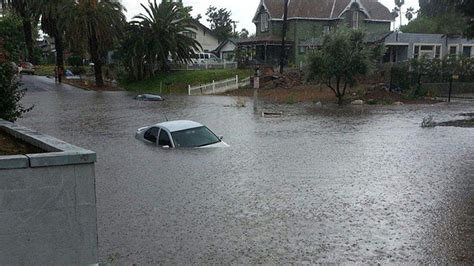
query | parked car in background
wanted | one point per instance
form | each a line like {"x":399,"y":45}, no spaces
{"x":27,"y":68}
{"x":180,"y":134}
{"x":202,"y":58}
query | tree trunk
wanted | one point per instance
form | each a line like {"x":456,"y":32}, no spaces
{"x":95,"y":56}
{"x":58,"y":40}
{"x":283,"y":34}
{"x":28,"y":32}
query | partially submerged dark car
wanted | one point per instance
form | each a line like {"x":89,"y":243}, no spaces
{"x":149,"y":97}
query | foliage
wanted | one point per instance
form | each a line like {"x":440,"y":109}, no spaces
{"x":12,"y":34}
{"x":29,"y":13}
{"x":444,"y":23}
{"x":409,"y":76}
{"x":244,"y":34}
{"x":154,"y":36}
{"x":342,"y":58}
{"x":78,"y":70}
{"x":221,"y":22}
{"x":10,"y":94}
{"x":75,"y":60}
{"x":95,"y":24}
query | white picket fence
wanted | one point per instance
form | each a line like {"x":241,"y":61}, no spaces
{"x":206,"y":65}
{"x":219,"y":86}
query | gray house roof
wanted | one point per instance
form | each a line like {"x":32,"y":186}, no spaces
{"x":324,"y":9}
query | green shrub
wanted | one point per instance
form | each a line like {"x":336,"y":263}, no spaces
{"x":10,"y":94}
{"x":74,"y":60}
{"x":78,"y":70}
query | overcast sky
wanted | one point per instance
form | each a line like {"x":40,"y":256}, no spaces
{"x":242,"y":10}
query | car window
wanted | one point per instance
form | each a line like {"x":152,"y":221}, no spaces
{"x":194,"y":137}
{"x":164,"y":139}
{"x":151,"y":134}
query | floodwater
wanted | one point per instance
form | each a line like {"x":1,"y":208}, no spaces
{"x":320,"y":185}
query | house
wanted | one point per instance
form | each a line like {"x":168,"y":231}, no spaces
{"x":404,"y":46}
{"x":226,"y":50}
{"x":308,"y":21}
{"x":204,"y":36}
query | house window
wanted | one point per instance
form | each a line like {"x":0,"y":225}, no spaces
{"x":326,"y":29}
{"x":453,"y":50}
{"x":264,"y":22}
{"x":190,"y":34}
{"x":467,"y":51}
{"x":302,"y":49}
{"x":416,"y":52}
{"x":355,"y":20}
{"x":429,"y":51}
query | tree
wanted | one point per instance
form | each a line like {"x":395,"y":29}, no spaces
{"x":95,"y":24}
{"x":221,"y":22}
{"x":53,"y":23}
{"x":29,"y":12}
{"x":409,"y":14}
{"x":467,"y":8}
{"x":12,"y":34}
{"x":10,"y":94}
{"x":445,"y":23}
{"x":343,"y":57}
{"x":244,"y":34}
{"x":154,"y":36}
{"x":399,"y":4}
{"x":283,"y":34}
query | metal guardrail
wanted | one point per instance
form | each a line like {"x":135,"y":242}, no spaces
{"x":218,"y":87}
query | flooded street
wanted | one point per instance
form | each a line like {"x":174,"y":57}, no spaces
{"x":336,"y":185}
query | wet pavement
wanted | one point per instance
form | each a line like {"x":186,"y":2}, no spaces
{"x":335,"y":185}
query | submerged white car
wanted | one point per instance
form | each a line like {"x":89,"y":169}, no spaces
{"x":180,"y":134}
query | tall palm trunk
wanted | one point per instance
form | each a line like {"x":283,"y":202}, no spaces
{"x":58,"y":40}
{"x":95,"y":56}
{"x":28,"y":32}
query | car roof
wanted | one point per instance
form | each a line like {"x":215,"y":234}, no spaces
{"x":178,"y":125}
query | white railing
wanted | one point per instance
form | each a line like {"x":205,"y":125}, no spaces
{"x":218,"y":87}
{"x":205,"y":65}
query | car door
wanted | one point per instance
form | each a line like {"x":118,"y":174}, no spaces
{"x":164,"y":139}
{"x":151,"y":134}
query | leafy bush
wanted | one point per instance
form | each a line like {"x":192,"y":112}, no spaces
{"x":10,"y":94}
{"x":74,"y":61}
{"x":78,"y":70}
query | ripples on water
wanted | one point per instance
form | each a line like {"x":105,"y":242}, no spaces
{"x":365,"y":185}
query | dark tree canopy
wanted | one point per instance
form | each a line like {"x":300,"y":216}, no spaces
{"x":221,"y":22}
{"x":443,"y":17}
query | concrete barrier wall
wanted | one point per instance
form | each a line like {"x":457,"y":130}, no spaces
{"x":47,"y":203}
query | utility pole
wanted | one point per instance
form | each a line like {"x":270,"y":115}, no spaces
{"x":283,"y":39}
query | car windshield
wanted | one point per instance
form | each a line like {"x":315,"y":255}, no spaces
{"x":194,"y":137}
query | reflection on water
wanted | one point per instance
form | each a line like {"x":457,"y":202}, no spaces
{"x":339,"y":185}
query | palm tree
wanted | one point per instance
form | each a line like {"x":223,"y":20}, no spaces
{"x":158,"y":35}
{"x":52,"y":23}
{"x":399,"y":4}
{"x":95,"y":24}
{"x":29,"y":12}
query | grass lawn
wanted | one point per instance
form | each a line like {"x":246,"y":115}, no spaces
{"x":178,"y":81}
{"x":44,"y":70}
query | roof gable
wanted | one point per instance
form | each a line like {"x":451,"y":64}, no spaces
{"x":323,"y":9}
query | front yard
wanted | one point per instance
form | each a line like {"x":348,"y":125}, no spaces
{"x":178,"y":81}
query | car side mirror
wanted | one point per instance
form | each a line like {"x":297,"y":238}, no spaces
{"x":221,"y":137}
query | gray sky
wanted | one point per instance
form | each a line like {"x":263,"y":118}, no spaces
{"x":242,"y":10}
